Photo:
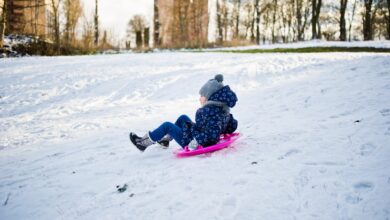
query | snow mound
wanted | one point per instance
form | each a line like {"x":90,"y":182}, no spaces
{"x":315,"y":143}
{"x":312,"y":43}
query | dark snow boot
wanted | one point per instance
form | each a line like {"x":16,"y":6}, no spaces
{"x":141,"y":142}
{"x":165,"y":141}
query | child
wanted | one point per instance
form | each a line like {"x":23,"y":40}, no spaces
{"x":211,"y":120}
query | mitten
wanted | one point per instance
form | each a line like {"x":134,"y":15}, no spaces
{"x":193,"y":144}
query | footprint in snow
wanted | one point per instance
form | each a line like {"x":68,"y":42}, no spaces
{"x":289,"y":153}
{"x":385,"y":112}
{"x":359,"y":187}
{"x":353,"y":199}
{"x":363,"y":186}
{"x":323,"y":91}
{"x":302,"y":179}
{"x":367,"y":149}
{"x":228,"y":206}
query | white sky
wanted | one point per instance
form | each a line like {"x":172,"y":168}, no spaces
{"x":115,"y":14}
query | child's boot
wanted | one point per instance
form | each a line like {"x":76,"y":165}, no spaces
{"x":141,"y":142}
{"x":165,"y":140}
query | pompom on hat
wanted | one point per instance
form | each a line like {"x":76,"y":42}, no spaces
{"x":211,"y":86}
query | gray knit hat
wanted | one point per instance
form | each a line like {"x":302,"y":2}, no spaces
{"x":211,"y":86}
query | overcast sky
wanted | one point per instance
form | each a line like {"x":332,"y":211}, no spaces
{"x":115,"y":14}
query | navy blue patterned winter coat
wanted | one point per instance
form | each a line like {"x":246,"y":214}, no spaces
{"x":213,"y":119}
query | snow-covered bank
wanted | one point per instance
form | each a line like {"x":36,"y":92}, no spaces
{"x":312,"y":43}
{"x":315,"y":144}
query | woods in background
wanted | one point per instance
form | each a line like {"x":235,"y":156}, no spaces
{"x":282,"y":21}
{"x":64,"y":28}
{"x":57,"y":26}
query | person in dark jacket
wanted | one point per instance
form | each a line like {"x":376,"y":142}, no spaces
{"x":211,"y":120}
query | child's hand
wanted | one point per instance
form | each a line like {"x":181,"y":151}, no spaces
{"x":193,"y":144}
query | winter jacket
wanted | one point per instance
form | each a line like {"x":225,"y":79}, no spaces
{"x":213,"y":119}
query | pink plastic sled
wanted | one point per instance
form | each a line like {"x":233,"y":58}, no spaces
{"x":224,"y":141}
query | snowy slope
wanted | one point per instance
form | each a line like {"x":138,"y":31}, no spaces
{"x":313,"y":43}
{"x":315,"y":144}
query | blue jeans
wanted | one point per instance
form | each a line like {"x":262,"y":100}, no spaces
{"x":174,"y":130}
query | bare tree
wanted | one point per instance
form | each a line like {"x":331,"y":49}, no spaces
{"x":316,"y":8}
{"x":146,"y":37}
{"x":237,"y":19}
{"x":136,"y":25}
{"x":181,"y":22}
{"x":3,"y":23}
{"x":225,"y":18}
{"x":88,"y":34}
{"x":287,"y":13}
{"x":301,"y":18}
{"x":343,"y":31}
{"x":196,"y":23}
{"x":156,"y":25}
{"x":351,"y":20}
{"x":255,"y":21}
{"x":219,"y":24}
{"x":275,"y":11}
{"x":258,"y":15}
{"x":290,"y":17}
{"x":247,"y":22}
{"x":368,"y":18}
{"x":96,"y":24}
{"x":387,"y":17}
{"x":73,"y":11}
{"x":56,"y":23}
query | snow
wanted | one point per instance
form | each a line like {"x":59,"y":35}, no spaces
{"x":315,"y":137}
{"x":312,"y":43}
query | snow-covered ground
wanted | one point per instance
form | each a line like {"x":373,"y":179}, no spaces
{"x":315,"y":143}
{"x":312,"y":43}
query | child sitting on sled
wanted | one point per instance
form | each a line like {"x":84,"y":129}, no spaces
{"x":211,"y":120}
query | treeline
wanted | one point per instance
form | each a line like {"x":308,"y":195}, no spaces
{"x":67,"y":29}
{"x":275,"y":21}
{"x":240,"y":22}
{"x":190,"y":23}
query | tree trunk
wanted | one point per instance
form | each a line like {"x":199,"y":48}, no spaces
{"x":156,"y":26}
{"x":318,"y":11}
{"x":313,"y":20}
{"x":67,"y":23}
{"x":299,"y":20}
{"x":306,"y":15}
{"x":237,"y":27}
{"x":351,"y":21}
{"x":55,"y":8}
{"x":96,"y":24}
{"x":343,"y":31}
{"x":3,"y":23}
{"x":146,"y":37}
{"x":316,"y":8}
{"x":257,"y":22}
{"x":253,"y":22}
{"x":274,"y":7}
{"x":388,"y":20}
{"x":290,"y":18}
{"x":138,"y":39}
{"x":219,"y":25}
{"x":367,"y":26}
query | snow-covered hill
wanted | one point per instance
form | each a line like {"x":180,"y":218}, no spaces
{"x":315,"y":144}
{"x":312,"y":43}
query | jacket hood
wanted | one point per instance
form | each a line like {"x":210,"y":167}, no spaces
{"x":224,"y":95}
